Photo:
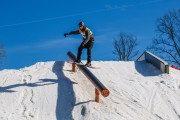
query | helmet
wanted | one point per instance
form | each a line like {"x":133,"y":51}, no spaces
{"x":81,"y":24}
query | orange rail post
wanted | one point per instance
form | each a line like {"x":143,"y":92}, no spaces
{"x":73,"y":67}
{"x":96,"y":95}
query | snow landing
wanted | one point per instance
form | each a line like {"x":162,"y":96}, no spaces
{"x":51,"y":91}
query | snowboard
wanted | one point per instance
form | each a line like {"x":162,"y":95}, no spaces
{"x":82,"y":64}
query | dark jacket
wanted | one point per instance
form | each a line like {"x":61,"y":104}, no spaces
{"x":86,"y":33}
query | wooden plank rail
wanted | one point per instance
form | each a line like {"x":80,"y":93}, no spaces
{"x":94,"y":80}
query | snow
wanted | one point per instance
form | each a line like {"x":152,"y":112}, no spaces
{"x":51,"y":91}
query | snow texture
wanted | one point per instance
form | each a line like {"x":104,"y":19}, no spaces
{"x":51,"y":91}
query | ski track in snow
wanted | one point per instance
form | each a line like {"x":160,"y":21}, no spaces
{"x":27,"y":98}
{"x":51,"y":91}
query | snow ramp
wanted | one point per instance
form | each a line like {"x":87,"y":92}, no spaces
{"x":51,"y":91}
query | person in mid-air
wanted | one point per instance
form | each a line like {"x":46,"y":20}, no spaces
{"x":88,"y":41}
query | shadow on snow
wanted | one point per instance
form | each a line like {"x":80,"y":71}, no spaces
{"x":66,"y":97}
{"x":147,"y":69}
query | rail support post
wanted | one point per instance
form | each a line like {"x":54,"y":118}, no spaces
{"x":96,"y":95}
{"x":73,"y":67}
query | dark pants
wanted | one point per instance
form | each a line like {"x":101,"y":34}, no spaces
{"x":88,"y":46}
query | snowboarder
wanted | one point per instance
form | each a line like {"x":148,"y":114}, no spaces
{"x":88,"y":41}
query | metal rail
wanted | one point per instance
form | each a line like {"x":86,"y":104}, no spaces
{"x":98,"y":85}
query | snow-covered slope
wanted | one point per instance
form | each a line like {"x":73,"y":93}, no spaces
{"x":51,"y":91}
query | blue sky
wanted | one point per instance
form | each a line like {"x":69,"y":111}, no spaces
{"x":32,"y":31}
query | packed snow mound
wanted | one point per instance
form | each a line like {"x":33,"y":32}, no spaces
{"x":51,"y":91}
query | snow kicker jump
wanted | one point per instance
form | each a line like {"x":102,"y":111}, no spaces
{"x":98,"y":85}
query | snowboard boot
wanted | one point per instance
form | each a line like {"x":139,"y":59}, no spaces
{"x":88,"y":64}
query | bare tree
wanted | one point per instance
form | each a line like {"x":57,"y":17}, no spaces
{"x":167,"y":42}
{"x":125,"y":47}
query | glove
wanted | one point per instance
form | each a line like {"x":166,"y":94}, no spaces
{"x":66,"y":34}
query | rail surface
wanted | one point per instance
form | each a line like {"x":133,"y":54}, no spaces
{"x":94,"y":80}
